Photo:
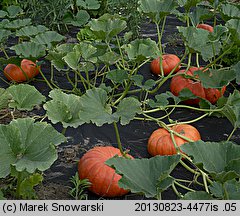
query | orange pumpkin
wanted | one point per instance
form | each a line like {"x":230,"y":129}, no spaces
{"x":104,"y":180}
{"x":160,"y":141}
{"x":205,"y":27}
{"x":178,"y":83}
{"x":26,"y":71}
{"x":169,"y":61}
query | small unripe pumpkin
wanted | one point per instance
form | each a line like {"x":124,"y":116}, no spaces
{"x":169,"y":61}
{"x":160,"y":141}
{"x":104,"y":180}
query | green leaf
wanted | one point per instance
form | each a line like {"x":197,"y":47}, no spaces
{"x":88,"y":4}
{"x":162,"y":100}
{"x":28,"y":146}
{"x":4,"y":98}
{"x":199,"y":14}
{"x":231,"y":108}
{"x":230,"y":10}
{"x":72,"y":59}
{"x":234,"y":26}
{"x":236,"y":68}
{"x":29,"y":50}
{"x":138,"y":81}
{"x":141,"y":49}
{"x":198,"y":41}
{"x":48,"y":38}
{"x":188,"y":4}
{"x":229,"y":190}
{"x":117,"y":75}
{"x":80,"y":19}
{"x":217,"y":158}
{"x":29,"y":31}
{"x":1,"y":196}
{"x":4,"y":34}
{"x":127,"y":109}
{"x":109,"y":58}
{"x":63,"y":108}
{"x":87,"y":51}
{"x":94,"y":108}
{"x":27,"y":186}
{"x":142,"y":175}
{"x":14,"y":11}
{"x":157,"y":9}
{"x":18,"y":23}
{"x":215,"y":78}
{"x":198,"y":195}
{"x":186,"y":94}
{"x":24,"y":97}
{"x":219,"y":32}
{"x":107,"y":26}
{"x":3,"y":14}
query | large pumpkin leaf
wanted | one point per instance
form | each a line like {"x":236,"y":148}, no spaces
{"x":127,"y":109}
{"x":219,"y":159}
{"x":72,"y":59}
{"x":198,"y":195}
{"x":18,"y":23}
{"x":48,"y":38}
{"x":157,"y":9}
{"x":28,"y":31}
{"x":138,"y":81}
{"x":63,"y":108}
{"x":107,"y":26}
{"x":117,"y":75}
{"x":231,"y":108}
{"x":229,"y":190}
{"x":27,"y":145}
{"x":88,"y":4}
{"x":87,"y":51}
{"x":234,"y":26}
{"x":143,"y":175}
{"x":199,"y":14}
{"x":81,"y":18}
{"x":13,"y":11}
{"x":94,"y":107}
{"x":215,"y":78}
{"x":24,"y":97}
{"x":236,"y":68}
{"x":198,"y":40}
{"x":141,"y":49}
{"x":3,"y":14}
{"x":4,"y":34}
{"x":29,"y":50}
{"x":230,"y":10}
{"x":4,"y":98}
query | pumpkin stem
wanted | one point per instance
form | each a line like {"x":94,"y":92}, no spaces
{"x":118,"y":139}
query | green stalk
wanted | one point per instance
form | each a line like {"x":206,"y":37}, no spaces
{"x":183,"y":186}
{"x":197,"y":60}
{"x":118,"y":138}
{"x":176,"y":191}
{"x":5,"y":53}
{"x":218,"y":58}
{"x":45,"y":79}
{"x":204,"y":176}
{"x":19,"y":181}
{"x":231,"y":134}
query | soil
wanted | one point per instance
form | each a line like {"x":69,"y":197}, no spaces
{"x":56,"y":184}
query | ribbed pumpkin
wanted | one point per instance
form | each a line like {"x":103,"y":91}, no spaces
{"x":103,"y":178}
{"x":27,"y":70}
{"x":169,"y":61}
{"x":160,"y":142}
{"x":178,"y":83}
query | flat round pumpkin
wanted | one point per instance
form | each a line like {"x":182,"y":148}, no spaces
{"x":160,"y":142}
{"x":103,"y":178}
